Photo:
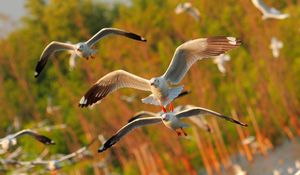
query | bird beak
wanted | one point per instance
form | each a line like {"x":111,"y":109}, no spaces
{"x":79,"y":50}
{"x":152,"y":83}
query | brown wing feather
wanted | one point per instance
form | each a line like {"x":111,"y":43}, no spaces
{"x":110,"y":83}
{"x":190,"y":52}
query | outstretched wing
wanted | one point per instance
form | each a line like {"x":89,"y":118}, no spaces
{"x":54,"y":46}
{"x":190,"y":52}
{"x":41,"y":138}
{"x":202,"y":111}
{"x":109,"y":31}
{"x":111,"y":82}
{"x":141,"y":114}
{"x":127,"y":128}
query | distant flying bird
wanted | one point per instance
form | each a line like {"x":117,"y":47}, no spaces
{"x":11,"y":140}
{"x":198,"y":120}
{"x":187,"y":7}
{"x":54,"y":164}
{"x":161,"y":87}
{"x":220,"y":62}
{"x":50,"y":109}
{"x":171,"y":120}
{"x":82,"y":49}
{"x":275,"y":46}
{"x":248,"y":140}
{"x":268,"y":12}
{"x":129,"y":99}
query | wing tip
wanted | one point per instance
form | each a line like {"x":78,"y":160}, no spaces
{"x":83,"y":102}
{"x":36,"y":74}
{"x":234,"y":40}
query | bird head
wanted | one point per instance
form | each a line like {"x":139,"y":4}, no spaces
{"x":166,"y":117}
{"x":80,"y":47}
{"x":156,"y":82}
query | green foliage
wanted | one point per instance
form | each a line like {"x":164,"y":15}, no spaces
{"x":254,"y":79}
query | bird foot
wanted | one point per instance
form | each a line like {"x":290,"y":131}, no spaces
{"x":164,"y":109}
{"x":93,"y":57}
{"x":178,"y":133}
{"x":171,"y":107}
{"x":185,"y":134}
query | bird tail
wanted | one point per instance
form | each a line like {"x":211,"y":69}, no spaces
{"x":151,"y":100}
{"x":174,"y":92}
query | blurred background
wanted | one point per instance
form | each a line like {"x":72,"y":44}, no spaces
{"x":257,"y":88}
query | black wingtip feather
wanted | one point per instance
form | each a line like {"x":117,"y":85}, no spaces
{"x":107,"y":144}
{"x":45,"y":140}
{"x":39,"y":67}
{"x":136,"y":37}
{"x":133,"y":118}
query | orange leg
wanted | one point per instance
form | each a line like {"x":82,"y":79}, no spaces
{"x":185,"y":134}
{"x":164,"y":109}
{"x":171,"y":107}
{"x":178,"y":132}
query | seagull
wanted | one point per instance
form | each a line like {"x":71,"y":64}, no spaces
{"x":275,"y":46}
{"x":82,"y":49}
{"x":50,"y":109}
{"x":248,"y":140}
{"x":268,"y":12}
{"x":220,"y":62}
{"x":129,"y":99}
{"x":171,"y":120}
{"x":196,"y":119}
{"x":11,"y":140}
{"x":163,"y":92}
{"x":187,"y":7}
{"x":53,"y":165}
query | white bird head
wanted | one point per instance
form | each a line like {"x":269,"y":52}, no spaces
{"x":81,"y":47}
{"x":156,"y":82}
{"x":167,"y":116}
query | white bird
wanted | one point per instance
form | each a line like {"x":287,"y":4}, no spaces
{"x":197,"y":119}
{"x":297,"y":164}
{"x":161,"y":87}
{"x":82,"y":49}
{"x":248,"y":140}
{"x":50,"y":109}
{"x":220,"y":62}
{"x":171,"y":120}
{"x":129,"y":99}
{"x":268,"y":12}
{"x":55,"y":164}
{"x":11,"y":140}
{"x":187,"y":7}
{"x":275,"y":46}
{"x":237,"y":170}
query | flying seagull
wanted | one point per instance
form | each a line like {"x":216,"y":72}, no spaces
{"x":187,"y":7}
{"x":197,"y":119}
{"x":54,"y":164}
{"x":275,"y":46}
{"x":268,"y":12}
{"x":171,"y":120}
{"x":161,"y":87}
{"x":82,"y":49}
{"x":11,"y":140}
{"x":220,"y":62}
